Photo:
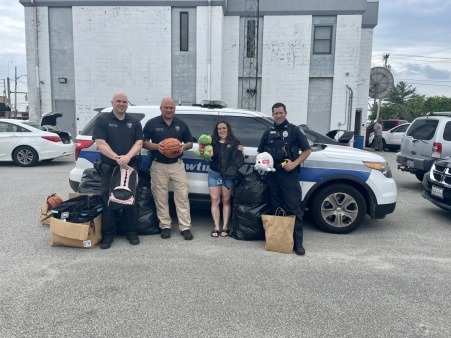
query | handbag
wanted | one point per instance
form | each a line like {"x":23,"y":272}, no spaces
{"x":279,"y":230}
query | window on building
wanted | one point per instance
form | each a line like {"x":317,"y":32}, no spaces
{"x":250,"y":38}
{"x":184,"y":40}
{"x":322,"y":40}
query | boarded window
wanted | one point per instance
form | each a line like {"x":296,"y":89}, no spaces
{"x":184,"y":41}
{"x":250,"y":38}
{"x":322,"y":43}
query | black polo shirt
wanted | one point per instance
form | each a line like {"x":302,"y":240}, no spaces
{"x":156,"y":130}
{"x":121,"y":135}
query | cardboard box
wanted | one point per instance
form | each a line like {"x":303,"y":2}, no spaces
{"x":78,"y":235}
{"x":45,"y":215}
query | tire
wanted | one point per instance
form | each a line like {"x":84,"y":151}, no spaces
{"x":25,"y":156}
{"x":393,"y":148}
{"x":419,"y":175}
{"x":339,"y":209}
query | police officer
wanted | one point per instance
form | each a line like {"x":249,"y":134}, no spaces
{"x":119,"y":138}
{"x":283,"y":141}
{"x":166,"y":170}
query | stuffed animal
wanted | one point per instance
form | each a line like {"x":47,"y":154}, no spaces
{"x":205,"y":149}
{"x":264,"y":162}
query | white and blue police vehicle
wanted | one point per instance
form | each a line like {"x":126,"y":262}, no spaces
{"x":340,"y":185}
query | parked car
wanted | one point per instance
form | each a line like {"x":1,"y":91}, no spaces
{"x":340,"y":185}
{"x":387,"y":124}
{"x":437,"y":184}
{"x":391,"y":139}
{"x":427,"y":139}
{"x":26,"y":143}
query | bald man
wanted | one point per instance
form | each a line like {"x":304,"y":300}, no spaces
{"x":119,"y":138}
{"x":164,"y":170}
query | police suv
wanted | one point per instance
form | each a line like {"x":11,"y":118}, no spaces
{"x":340,"y":185}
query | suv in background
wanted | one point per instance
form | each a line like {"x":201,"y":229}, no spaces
{"x":340,"y":185}
{"x":386,"y":125}
{"x":437,"y":184}
{"x":427,"y":139}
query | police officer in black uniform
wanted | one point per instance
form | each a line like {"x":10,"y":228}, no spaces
{"x":284,"y":141}
{"x":119,"y":138}
{"x":164,"y":170}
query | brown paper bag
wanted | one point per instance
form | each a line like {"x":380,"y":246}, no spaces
{"x":279,"y":231}
{"x":45,"y":214}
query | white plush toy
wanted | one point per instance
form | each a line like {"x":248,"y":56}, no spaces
{"x":264,"y":162}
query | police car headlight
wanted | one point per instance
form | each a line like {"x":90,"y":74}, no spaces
{"x":383,"y":167}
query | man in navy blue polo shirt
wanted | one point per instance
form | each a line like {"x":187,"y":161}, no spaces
{"x":164,"y":170}
{"x":119,"y":138}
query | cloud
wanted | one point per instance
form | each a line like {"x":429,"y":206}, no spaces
{"x":425,"y":71}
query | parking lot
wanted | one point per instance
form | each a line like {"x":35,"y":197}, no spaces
{"x":390,"y":277}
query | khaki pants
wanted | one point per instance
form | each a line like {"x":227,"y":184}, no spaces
{"x":161,"y":175}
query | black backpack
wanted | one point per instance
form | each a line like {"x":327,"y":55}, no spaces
{"x":124,"y":182}
{"x":79,"y":209}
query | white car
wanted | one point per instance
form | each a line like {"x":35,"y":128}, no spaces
{"x":26,"y":143}
{"x":340,"y":185}
{"x":391,"y":139}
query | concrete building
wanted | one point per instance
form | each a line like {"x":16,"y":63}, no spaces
{"x":315,"y":56}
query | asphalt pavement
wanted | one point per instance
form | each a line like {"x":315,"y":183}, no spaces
{"x":389,"y":278}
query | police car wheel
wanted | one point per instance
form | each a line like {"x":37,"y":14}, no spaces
{"x":338,"y":209}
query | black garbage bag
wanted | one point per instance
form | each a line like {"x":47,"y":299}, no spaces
{"x":79,"y":209}
{"x":148,"y":223}
{"x":251,"y":200}
{"x":251,"y":187}
{"x":247,"y":222}
{"x":90,"y":182}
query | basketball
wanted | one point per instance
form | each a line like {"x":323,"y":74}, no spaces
{"x":171,"y":147}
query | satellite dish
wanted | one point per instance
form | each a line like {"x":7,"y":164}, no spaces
{"x":381,"y":82}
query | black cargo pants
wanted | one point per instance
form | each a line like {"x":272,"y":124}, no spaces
{"x":128,"y":217}
{"x":286,"y":193}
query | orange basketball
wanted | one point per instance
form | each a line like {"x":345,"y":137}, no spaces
{"x":171,"y":147}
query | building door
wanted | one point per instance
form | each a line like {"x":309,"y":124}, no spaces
{"x":67,"y":121}
{"x":319,"y":104}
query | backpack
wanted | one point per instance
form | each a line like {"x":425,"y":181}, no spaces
{"x":124,"y":182}
{"x":79,"y":209}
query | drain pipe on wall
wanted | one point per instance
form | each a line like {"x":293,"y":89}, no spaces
{"x":349,"y":105}
{"x":209,"y":52}
{"x":36,"y":57}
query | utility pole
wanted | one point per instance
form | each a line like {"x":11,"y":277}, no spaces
{"x":8,"y":91}
{"x":15,"y":91}
{"x":385,"y":58}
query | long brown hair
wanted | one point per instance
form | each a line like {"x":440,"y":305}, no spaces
{"x":230,"y":135}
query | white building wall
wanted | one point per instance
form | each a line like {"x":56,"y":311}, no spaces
{"x":346,"y":69}
{"x":120,"y":49}
{"x":363,"y":85}
{"x":286,"y":63}
{"x":231,"y":53}
{"x":209,"y":53}
{"x":38,"y":75}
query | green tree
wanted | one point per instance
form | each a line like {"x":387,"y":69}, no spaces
{"x":401,"y":94}
{"x":437,"y":104}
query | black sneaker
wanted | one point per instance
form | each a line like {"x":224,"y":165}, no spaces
{"x":299,"y":250}
{"x":187,"y":235}
{"x":106,"y":242}
{"x":165,"y":233}
{"x":134,"y":240}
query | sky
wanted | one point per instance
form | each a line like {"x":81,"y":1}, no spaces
{"x":415,"y":34}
